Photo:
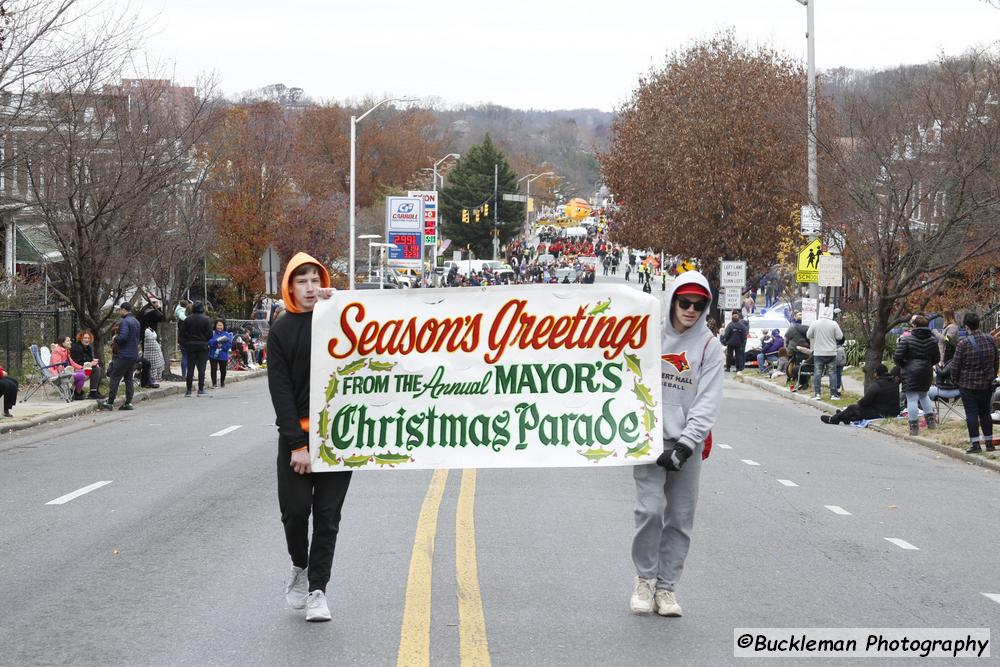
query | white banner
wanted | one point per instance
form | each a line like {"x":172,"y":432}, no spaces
{"x":504,"y":377}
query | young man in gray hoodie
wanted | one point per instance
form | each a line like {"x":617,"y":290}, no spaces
{"x":691,"y":373}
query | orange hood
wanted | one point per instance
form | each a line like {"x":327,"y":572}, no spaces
{"x":286,"y":280}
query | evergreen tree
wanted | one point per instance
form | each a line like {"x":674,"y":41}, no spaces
{"x":470,"y":185}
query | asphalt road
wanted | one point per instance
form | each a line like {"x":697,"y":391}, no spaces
{"x":180,"y":559}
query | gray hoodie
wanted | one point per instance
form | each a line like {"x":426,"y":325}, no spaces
{"x":691,"y":372}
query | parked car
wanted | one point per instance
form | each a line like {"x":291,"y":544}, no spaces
{"x":757,"y":325}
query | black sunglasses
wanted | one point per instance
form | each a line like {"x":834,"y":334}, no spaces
{"x":699,"y":305}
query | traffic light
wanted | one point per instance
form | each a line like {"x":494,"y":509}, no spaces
{"x":486,"y":210}
{"x":477,"y":215}
{"x":465,"y":215}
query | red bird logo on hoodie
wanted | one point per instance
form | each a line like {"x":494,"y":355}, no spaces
{"x":678,"y":361}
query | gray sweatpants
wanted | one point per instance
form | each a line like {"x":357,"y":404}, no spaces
{"x":664,"y":517}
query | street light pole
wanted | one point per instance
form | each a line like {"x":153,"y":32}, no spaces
{"x":811,"y":111}
{"x":434,"y":250}
{"x":534,"y":177}
{"x":354,"y":141}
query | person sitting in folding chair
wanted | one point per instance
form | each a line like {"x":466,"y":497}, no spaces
{"x":881,"y":399}
{"x":945,"y":394}
{"x":65,"y":368}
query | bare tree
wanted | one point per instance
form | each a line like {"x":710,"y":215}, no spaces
{"x":913,"y":186}
{"x":111,"y":152}
{"x":181,"y":233}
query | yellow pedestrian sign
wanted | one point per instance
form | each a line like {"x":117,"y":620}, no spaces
{"x":807,"y":267}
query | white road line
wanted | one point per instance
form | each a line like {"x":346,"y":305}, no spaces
{"x":749,"y":462}
{"x":993,"y":596}
{"x":787,"y":482}
{"x":837,"y":509}
{"x":62,"y":500}
{"x":902,"y":544}
{"x":228,"y":429}
{"x":721,"y":446}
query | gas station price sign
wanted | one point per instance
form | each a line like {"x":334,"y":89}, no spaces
{"x":408,"y":246}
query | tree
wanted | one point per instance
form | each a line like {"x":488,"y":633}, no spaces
{"x":252,"y":183}
{"x":705,"y":156}
{"x":916,"y":185}
{"x":470,"y":185}
{"x":110,"y":152}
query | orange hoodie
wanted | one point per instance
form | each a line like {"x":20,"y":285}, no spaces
{"x":287,"y":296}
{"x":286,"y":280}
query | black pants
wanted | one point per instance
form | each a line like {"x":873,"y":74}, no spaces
{"x":736,"y":356}
{"x":144,"y":372}
{"x":221,"y":366}
{"x":96,"y":373}
{"x":197,"y":358}
{"x":853,"y":413}
{"x":121,"y":369}
{"x":321,"y":494}
{"x":977,"y":413}
{"x":8,"y":387}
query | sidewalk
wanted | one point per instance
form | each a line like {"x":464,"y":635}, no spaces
{"x":42,"y":408}
{"x":949,"y":439}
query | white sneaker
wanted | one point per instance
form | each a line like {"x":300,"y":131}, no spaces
{"x":642,"y":597}
{"x":297,"y":588}
{"x":817,"y":397}
{"x":316,"y":609}
{"x":666,"y":603}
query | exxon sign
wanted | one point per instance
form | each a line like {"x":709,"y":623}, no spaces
{"x":404,"y":214}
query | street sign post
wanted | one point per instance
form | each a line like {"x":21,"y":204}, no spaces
{"x":270,"y":264}
{"x":271,"y":283}
{"x":831,"y":270}
{"x":809,"y":309}
{"x":731,"y":298}
{"x":733,"y":274}
{"x":811,"y":222}
{"x":807,"y":266}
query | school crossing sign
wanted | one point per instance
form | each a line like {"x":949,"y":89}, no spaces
{"x":807,"y":266}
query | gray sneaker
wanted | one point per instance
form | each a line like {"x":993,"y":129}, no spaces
{"x":297,"y":587}
{"x":666,"y":603}
{"x":641,"y":601}
{"x":316,"y":609}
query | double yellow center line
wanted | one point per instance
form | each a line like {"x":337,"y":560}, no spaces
{"x":415,"y":635}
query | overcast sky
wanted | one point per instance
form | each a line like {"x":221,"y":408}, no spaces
{"x":542,"y":54}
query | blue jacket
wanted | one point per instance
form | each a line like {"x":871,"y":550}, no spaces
{"x":219,"y":345}
{"x":128,"y":338}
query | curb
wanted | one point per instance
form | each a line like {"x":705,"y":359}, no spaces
{"x":88,"y":406}
{"x":923,"y":442}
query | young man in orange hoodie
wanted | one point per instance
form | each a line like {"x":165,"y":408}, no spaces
{"x":300,"y":492}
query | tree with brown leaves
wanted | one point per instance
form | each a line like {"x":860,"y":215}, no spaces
{"x":707,"y":158}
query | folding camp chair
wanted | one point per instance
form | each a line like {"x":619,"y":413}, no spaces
{"x":947,"y":402}
{"x":44,"y":378}
{"x":804,"y":372}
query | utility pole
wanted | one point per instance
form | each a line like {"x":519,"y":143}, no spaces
{"x":496,"y":211}
{"x":811,"y":111}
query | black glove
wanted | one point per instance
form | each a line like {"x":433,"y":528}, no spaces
{"x":674,"y":455}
